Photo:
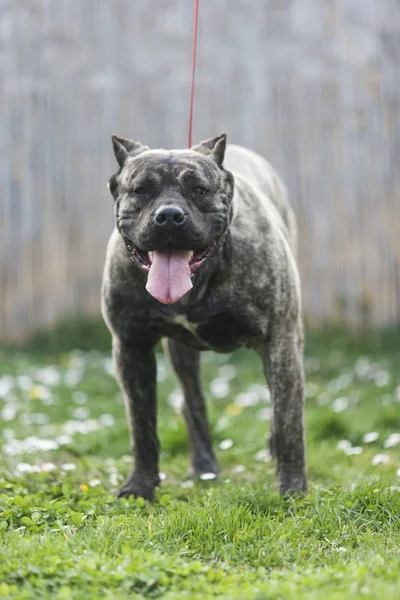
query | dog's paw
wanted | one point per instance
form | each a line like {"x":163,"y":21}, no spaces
{"x":139,"y":486}
{"x":204,"y":468}
{"x":293,"y":484}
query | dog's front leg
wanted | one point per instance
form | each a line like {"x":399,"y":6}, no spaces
{"x":186,"y":362}
{"x":283,"y":361}
{"x":136,"y":372}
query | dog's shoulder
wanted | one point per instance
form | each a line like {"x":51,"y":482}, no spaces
{"x":262,"y":233}
{"x":260,"y":194}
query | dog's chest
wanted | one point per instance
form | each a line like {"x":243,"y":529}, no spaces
{"x":222,"y":332}
{"x":183,"y":321}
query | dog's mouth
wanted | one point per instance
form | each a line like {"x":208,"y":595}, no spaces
{"x":169,"y":270}
{"x":143,"y":259}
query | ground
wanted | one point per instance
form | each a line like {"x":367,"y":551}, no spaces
{"x":63,"y":533}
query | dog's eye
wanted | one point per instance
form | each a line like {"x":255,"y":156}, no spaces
{"x":141,"y":191}
{"x":199,"y":191}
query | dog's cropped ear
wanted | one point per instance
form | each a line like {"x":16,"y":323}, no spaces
{"x":112,"y":186}
{"x":124,"y":148}
{"x":213,"y":148}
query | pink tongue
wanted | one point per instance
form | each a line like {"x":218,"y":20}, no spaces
{"x":169,"y":275}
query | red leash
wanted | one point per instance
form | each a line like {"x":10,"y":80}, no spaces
{"x":194,"y":53}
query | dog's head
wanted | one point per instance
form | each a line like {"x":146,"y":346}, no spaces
{"x":173,"y":208}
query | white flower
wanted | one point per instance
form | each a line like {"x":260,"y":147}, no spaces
{"x":222,"y":423}
{"x":254,"y":395}
{"x":48,"y":376}
{"x":368,"y":438}
{"x":42,"y":393}
{"x":44,"y":445}
{"x":108,"y":366}
{"x":382,"y":378}
{"x":30,"y":444}
{"x":8,"y":434}
{"x":162,"y":368}
{"x":246,"y":399}
{"x":37,"y":418}
{"x":114,"y":479}
{"x":392,"y":441}
{"x":81,"y":413}
{"x":107,"y":420}
{"x":343,"y":445}
{"x":162,"y":476}
{"x":208,"y":476}
{"x":227,"y":372}
{"x":24,"y":468}
{"x":362,"y":366}
{"x":238,"y":469}
{"x":95,"y":482}
{"x":340,"y":404}
{"x":47,"y":467}
{"x":219,"y":387}
{"x":24,"y":382}
{"x":73,"y":377}
{"x":265,"y":414}
{"x":11,"y":448}
{"x":8,"y":413}
{"x":62,"y":440}
{"x":6,"y":385}
{"x":380,"y":459}
{"x":263,"y":455}
{"x":261,"y":390}
{"x":72,"y":427}
{"x":341,"y":383}
{"x":398,"y":473}
{"x":187,"y":484}
{"x":175,"y":400}
{"x":226,"y":444}
{"x":79,"y":397}
{"x":68,"y":467}
{"x":353,"y":451}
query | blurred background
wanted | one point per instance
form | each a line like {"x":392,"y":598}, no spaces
{"x":313,"y":85}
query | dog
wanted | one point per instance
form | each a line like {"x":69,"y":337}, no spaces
{"x":203,"y":253}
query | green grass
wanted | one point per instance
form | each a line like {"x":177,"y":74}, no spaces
{"x":63,"y":534}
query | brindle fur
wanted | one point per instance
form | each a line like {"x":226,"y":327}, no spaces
{"x":246,"y":294}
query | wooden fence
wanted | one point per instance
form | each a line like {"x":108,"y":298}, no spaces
{"x":314,"y":85}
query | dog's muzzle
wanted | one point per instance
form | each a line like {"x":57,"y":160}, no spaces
{"x":169,"y":217}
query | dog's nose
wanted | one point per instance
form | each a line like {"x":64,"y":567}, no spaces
{"x":169,"y":217}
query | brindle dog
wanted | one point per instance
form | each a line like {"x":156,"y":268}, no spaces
{"x":202,"y":254}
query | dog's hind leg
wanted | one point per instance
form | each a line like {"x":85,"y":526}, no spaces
{"x":186,"y":362}
{"x":283,"y":362}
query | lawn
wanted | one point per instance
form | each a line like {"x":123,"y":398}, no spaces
{"x":64,"y":453}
